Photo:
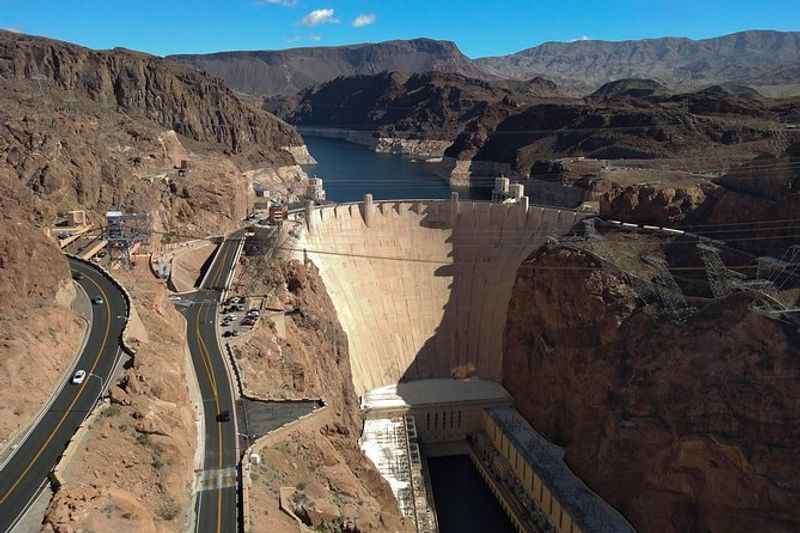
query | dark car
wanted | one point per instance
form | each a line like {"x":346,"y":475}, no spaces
{"x":77,"y":276}
{"x":224,"y":416}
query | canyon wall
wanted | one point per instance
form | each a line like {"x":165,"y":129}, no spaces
{"x":682,"y":427}
{"x":422,"y":288}
{"x":422,"y":148}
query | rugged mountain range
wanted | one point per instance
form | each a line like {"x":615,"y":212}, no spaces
{"x":517,"y":123}
{"x":768,"y":59}
{"x":433,"y":105}
{"x":753,"y":57}
{"x":290,"y":71}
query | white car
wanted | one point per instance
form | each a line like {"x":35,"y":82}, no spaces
{"x":78,"y":377}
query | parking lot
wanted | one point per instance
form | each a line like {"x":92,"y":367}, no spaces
{"x":238,"y":316}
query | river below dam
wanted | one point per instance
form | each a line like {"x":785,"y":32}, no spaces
{"x":350,"y":170}
{"x":464,"y":503}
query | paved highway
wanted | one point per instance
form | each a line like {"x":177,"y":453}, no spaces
{"x":27,"y":469}
{"x":216,"y":509}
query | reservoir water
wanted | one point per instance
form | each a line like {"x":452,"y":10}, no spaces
{"x":464,"y":503}
{"x":349,"y":171}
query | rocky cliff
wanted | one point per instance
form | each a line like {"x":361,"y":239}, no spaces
{"x":39,"y":332}
{"x":173,"y":96}
{"x":290,"y":71}
{"x":489,"y":127}
{"x":337,"y":487}
{"x":679,"y":439}
{"x":392,"y":106}
{"x":99,"y":130}
{"x":755,"y":202}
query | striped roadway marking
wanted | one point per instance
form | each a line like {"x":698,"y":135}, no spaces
{"x":74,"y":400}
{"x":216,"y":479}
{"x":219,"y":482}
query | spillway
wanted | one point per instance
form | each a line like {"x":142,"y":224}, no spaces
{"x":422,"y":287}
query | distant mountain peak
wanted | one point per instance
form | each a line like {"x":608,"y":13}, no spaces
{"x":290,"y":71}
{"x":748,"y":57}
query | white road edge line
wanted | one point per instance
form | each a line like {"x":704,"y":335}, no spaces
{"x":68,"y":371}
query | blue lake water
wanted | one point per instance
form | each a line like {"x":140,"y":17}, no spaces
{"x":349,"y":171}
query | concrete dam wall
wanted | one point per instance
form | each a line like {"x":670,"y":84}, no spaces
{"x":422,"y":287}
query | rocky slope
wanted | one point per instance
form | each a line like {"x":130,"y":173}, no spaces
{"x":678,"y":439}
{"x":491,"y":127}
{"x":96,"y":130}
{"x":765,"y":190}
{"x":134,"y":471}
{"x":633,"y":120}
{"x":761,"y":57}
{"x":290,"y":71}
{"x":173,"y":96}
{"x":393,"y":106}
{"x":40,"y":333}
{"x":337,"y":486}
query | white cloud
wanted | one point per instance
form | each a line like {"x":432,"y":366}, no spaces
{"x":364,"y":20}
{"x":285,"y":3}
{"x":581,"y":38}
{"x":319,"y":16}
{"x":12,"y":30}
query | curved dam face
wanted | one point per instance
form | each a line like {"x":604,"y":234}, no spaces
{"x":422,"y":287}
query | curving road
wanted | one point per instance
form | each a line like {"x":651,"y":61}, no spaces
{"x":216,"y":506}
{"x":26,"y":471}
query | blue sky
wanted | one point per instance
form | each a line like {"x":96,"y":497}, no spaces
{"x":479,"y":27}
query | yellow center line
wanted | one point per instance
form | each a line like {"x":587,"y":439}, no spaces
{"x":74,"y":400}
{"x":224,"y":253}
{"x":214,"y":390}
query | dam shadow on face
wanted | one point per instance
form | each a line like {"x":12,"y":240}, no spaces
{"x":486,"y":245}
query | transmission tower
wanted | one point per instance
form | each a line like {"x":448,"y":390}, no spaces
{"x":778,"y":140}
{"x":722,"y":280}
{"x":772,"y":276}
{"x":667,"y":290}
{"x":787,"y":268}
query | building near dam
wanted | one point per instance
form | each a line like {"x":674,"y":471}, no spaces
{"x":422,"y":287}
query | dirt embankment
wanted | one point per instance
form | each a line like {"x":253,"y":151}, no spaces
{"x":337,"y":486}
{"x":134,"y":469}
{"x":39,"y":333}
{"x":683,"y":428}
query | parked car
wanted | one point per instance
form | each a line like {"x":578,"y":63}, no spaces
{"x":254,"y":313}
{"x":224,"y":416}
{"x":97,"y":300}
{"x":78,"y":377}
{"x":77,"y":276}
